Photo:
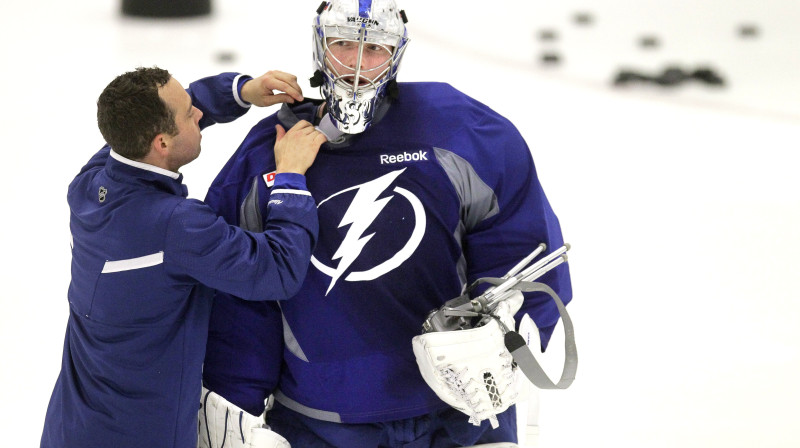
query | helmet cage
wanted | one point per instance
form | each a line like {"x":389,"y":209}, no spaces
{"x":357,"y":73}
{"x":355,"y":86}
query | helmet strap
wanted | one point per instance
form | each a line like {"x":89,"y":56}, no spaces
{"x":317,"y":79}
{"x":391,"y":90}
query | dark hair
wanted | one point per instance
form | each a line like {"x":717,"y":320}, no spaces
{"x":130,"y":113}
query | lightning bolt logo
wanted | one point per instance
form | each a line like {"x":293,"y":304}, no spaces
{"x":362,"y":212}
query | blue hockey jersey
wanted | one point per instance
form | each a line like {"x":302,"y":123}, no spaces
{"x":144,"y":260}
{"x":440,"y":192}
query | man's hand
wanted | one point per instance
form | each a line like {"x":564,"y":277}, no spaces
{"x":261,"y":91}
{"x":296,"y":149}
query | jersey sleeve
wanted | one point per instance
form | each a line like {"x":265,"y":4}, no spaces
{"x":522,"y":219}
{"x":245,"y":339}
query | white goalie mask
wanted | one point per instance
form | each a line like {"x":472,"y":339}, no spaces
{"x":358,"y":45}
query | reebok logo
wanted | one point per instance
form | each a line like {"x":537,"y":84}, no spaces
{"x":404,"y":157}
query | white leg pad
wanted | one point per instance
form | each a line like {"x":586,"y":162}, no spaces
{"x":221,"y":424}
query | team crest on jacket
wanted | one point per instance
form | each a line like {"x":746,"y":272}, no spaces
{"x":365,"y":207}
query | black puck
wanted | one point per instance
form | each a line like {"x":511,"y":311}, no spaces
{"x":671,"y":76}
{"x":749,"y":31}
{"x":550,"y":58}
{"x":168,"y":9}
{"x":583,"y":18}
{"x":649,"y":42}
{"x":548,"y":35}
{"x":226,"y":56}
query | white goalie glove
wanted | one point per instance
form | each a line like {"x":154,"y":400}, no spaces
{"x":224,"y":425}
{"x":476,"y":367}
{"x":471,"y":369}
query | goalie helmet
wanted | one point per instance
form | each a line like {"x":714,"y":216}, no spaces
{"x":358,"y":45}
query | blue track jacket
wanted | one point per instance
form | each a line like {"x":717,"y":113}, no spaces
{"x":145,"y":263}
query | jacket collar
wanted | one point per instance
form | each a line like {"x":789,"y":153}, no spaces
{"x":121,"y":167}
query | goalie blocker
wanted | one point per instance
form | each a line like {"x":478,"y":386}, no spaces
{"x":466,"y":350}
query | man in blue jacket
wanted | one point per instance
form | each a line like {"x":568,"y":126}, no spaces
{"x":146,"y":260}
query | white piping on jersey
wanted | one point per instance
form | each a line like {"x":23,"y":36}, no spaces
{"x":288,"y":191}
{"x":144,"y":166}
{"x":133,"y":263}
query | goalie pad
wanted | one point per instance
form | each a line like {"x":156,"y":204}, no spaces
{"x":472,"y":370}
{"x":224,"y":425}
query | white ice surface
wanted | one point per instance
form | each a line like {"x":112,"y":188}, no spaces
{"x":682,"y":205}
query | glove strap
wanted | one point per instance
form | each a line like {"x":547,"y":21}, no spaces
{"x":524,"y":358}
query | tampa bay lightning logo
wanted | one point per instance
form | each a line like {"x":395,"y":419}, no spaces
{"x":362,"y":212}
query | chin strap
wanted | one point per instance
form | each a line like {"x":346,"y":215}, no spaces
{"x":391,"y":90}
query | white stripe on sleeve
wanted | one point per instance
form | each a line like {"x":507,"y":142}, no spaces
{"x":133,"y":263}
{"x":236,"y":92}
{"x":288,"y":191}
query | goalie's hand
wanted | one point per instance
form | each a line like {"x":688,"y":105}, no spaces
{"x":472,"y":370}
{"x":224,"y":425}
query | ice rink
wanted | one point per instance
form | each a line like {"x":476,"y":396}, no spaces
{"x":682,"y":204}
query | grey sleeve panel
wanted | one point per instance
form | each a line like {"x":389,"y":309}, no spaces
{"x":250,"y":213}
{"x":478,"y":201}
{"x":250,"y":219}
{"x":291,"y":342}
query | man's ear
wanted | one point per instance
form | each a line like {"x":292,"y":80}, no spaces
{"x":160,"y":144}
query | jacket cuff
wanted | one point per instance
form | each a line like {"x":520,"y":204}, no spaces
{"x":239,"y":82}
{"x":293,"y":181}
